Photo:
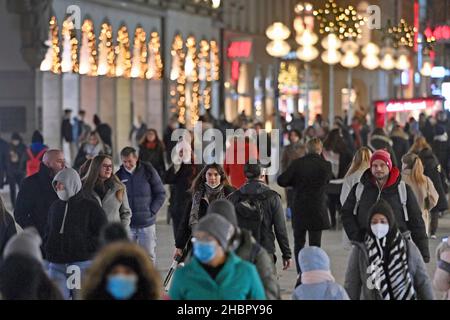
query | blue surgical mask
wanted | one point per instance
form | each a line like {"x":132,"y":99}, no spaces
{"x":204,"y":251}
{"x":122,"y":287}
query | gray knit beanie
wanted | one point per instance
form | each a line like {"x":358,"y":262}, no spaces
{"x":218,"y":227}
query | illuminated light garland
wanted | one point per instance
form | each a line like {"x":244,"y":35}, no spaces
{"x":177,"y":74}
{"x":106,"y":55}
{"x":88,"y":50}
{"x":215,"y":62}
{"x":344,"y":22}
{"x":139,"y":61}
{"x":52,"y":61}
{"x":402,"y":34}
{"x":123,"y":55}
{"x":205,"y":74}
{"x":190,"y":69}
{"x":154,"y":63}
{"x":288,"y":80}
{"x":70,"y":47}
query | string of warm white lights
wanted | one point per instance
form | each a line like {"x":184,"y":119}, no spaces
{"x":123,"y":55}
{"x":191,"y":65}
{"x":177,"y":74}
{"x":51,"y":61}
{"x":402,"y":34}
{"x":205,"y":74}
{"x":88,"y":50}
{"x":139,"y":62}
{"x":155,"y":64}
{"x":215,"y":62}
{"x":106,"y":52}
{"x":70,"y":47}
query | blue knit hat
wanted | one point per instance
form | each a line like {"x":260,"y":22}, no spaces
{"x":313,"y":258}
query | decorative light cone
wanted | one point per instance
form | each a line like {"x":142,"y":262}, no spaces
{"x":307,"y":53}
{"x":387,"y":58}
{"x":307,"y":38}
{"x":350,"y":60}
{"x":370,"y":62}
{"x":278,"y":31}
{"x":370,"y":49}
{"x":427,"y":66}
{"x":331,"y":41}
{"x":331,"y":56}
{"x":299,"y":25}
{"x":278,"y":48}
{"x":402,"y":62}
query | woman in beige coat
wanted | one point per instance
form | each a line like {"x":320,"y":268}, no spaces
{"x":422,"y":186}
{"x":103,"y":185}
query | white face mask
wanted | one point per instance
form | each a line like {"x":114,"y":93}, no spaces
{"x":63,"y":195}
{"x":380,"y":230}
{"x":213,"y":186}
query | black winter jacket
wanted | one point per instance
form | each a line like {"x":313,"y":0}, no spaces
{"x":77,"y":239}
{"x":7,"y":230}
{"x":356,"y":226}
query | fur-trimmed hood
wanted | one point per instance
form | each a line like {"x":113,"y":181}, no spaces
{"x":94,"y":287}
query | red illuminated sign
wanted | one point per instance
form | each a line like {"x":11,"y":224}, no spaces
{"x":440,"y":33}
{"x":240,"y":50}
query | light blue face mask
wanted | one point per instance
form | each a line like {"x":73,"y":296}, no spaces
{"x":204,"y":251}
{"x":122,"y":287}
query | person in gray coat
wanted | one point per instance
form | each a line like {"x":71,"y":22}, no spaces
{"x":387,"y":265}
{"x":104,"y":186}
{"x":317,"y":282}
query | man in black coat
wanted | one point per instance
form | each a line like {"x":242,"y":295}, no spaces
{"x":272,"y":209}
{"x":381,"y":181}
{"x":104,"y":131}
{"x":146,"y":196}
{"x":309,"y":177}
{"x":36,"y":193}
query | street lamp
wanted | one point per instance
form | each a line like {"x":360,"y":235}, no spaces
{"x":331,"y":56}
{"x":350,"y":60}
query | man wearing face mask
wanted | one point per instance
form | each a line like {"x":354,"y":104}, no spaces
{"x":386,"y":265}
{"x":215,"y":272}
{"x":36,"y":193}
{"x":73,"y":230}
{"x":383,"y":181}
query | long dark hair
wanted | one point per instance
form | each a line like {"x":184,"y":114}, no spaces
{"x":92,"y":177}
{"x":335,"y":142}
{"x":201,"y":177}
{"x":158,"y":141}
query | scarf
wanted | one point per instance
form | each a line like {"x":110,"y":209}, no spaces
{"x":316,"y":276}
{"x":207,"y":193}
{"x":151,"y":145}
{"x":388,"y":268}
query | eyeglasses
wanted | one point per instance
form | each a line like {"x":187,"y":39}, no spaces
{"x":107,"y":166}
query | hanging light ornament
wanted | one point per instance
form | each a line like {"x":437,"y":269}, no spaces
{"x":177,"y":91}
{"x":331,"y":44}
{"x":191,"y":64}
{"x":106,"y":54}
{"x":70,"y":47}
{"x":204,"y":74}
{"x":371,"y":60}
{"x":278,"y":33}
{"x":215,"y":61}
{"x":350,"y":58}
{"x":123,"y":55}
{"x":88,"y":50}
{"x":51,"y":61}
{"x":154,"y":63}
{"x":402,"y":62}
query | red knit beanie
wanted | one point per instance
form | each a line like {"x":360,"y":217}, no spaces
{"x":382,"y":155}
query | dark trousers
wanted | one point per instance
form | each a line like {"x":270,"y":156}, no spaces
{"x":434,"y":222}
{"x":315,"y":239}
{"x":333,"y":206}
{"x":14,"y":180}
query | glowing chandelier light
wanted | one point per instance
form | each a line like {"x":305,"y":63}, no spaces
{"x":370,"y":52}
{"x":402,"y":62}
{"x":350,"y":59}
{"x":278,"y":33}
{"x":331,"y":44}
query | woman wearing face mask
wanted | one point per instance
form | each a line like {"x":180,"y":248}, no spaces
{"x":422,"y":186}
{"x":122,"y":271}
{"x":103,"y":185}
{"x":73,"y":229}
{"x":215,"y":272}
{"x":387,"y":265}
{"x":88,"y":150}
{"x":210,"y":184}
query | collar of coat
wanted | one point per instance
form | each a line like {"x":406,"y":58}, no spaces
{"x":393,"y":180}
{"x":228,"y":267}
{"x":383,"y":138}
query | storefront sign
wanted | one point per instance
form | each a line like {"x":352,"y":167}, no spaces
{"x":404,"y":105}
{"x":240,"y":50}
{"x":439,"y":33}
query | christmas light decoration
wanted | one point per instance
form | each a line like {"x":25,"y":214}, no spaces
{"x":88,"y":50}
{"x":215,"y":61}
{"x":177,"y":92}
{"x":155,"y":66}
{"x":106,"y":55}
{"x":123,"y":55}
{"x":190,"y":69}
{"x":370,"y":60}
{"x":204,"y":74}
{"x":51,"y":61}
{"x":139,"y":60}
{"x":402,"y":34}
{"x":69,"y":61}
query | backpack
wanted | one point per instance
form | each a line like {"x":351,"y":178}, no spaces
{"x":402,"y":192}
{"x":250,"y":213}
{"x":34,"y":161}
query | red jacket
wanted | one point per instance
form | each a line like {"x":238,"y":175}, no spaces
{"x":234,"y":166}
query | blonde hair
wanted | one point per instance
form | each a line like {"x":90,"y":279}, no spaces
{"x":413,"y":162}
{"x":419,"y":144}
{"x":361,"y":160}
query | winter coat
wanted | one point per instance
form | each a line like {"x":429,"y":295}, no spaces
{"x":145,"y":192}
{"x":356,"y":276}
{"x":66,"y":130}
{"x":441,"y":148}
{"x":400,"y":145}
{"x":273,"y":217}
{"x":421,"y":192}
{"x":309,"y":176}
{"x":290,"y":153}
{"x":237,"y":280}
{"x":355,"y":226}
{"x":155,"y":157}
{"x":4,"y":148}
{"x":382,"y":142}
{"x":320,"y":291}
{"x":17,"y":160}
{"x":105,"y":133}
{"x":115,"y":210}
{"x":7,"y":230}
{"x":348,"y":184}
{"x":249,"y":250}
{"x":433,"y":170}
{"x":74,"y":225}
{"x":441,"y":280}
{"x":233,"y":166}
{"x":184,"y":231}
{"x":36,"y":194}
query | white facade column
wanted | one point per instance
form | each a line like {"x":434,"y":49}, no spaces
{"x":139,"y":98}
{"x":51,"y":109}
{"x":155,"y":106}
{"x":106,"y":101}
{"x":71,"y":92}
{"x":89,"y":97}
{"x":123,"y":114}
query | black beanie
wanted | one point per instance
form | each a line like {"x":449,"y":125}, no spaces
{"x":224,"y":208}
{"x":37,"y":137}
{"x":384,"y":208}
{"x":252,"y":170}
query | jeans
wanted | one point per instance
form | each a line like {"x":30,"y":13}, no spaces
{"x":315,"y":238}
{"x":68,"y":277}
{"x":146,"y":238}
